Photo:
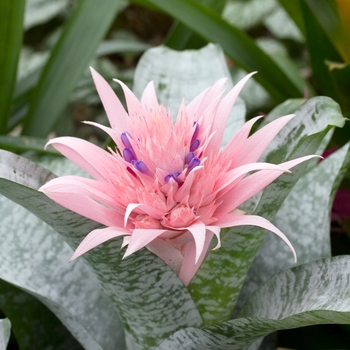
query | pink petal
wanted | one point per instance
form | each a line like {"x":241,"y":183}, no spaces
{"x":256,"y":144}
{"x":140,"y":238}
{"x":102,"y":192}
{"x":216,"y":231}
{"x":239,"y":139}
{"x":113,"y":133}
{"x":238,"y":172}
{"x":188,"y":267}
{"x":94,"y":160}
{"x":223,"y":112}
{"x":86,"y":206}
{"x":198,"y":232}
{"x":97,"y":237}
{"x":254,"y":183}
{"x":231,"y":220}
{"x":114,"y":109}
{"x":155,"y":213}
{"x":149,"y":97}
{"x":200,"y":103}
{"x":134,"y":106}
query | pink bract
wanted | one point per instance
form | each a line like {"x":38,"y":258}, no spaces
{"x":168,"y":187}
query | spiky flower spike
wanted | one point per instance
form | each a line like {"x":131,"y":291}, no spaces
{"x":169,"y":187}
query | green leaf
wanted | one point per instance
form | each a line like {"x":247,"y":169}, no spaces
{"x":11,"y":19}
{"x":181,"y":37}
{"x":186,"y":73}
{"x":5,"y":331}
{"x":294,"y":10}
{"x":113,"y":46}
{"x":25,"y":143}
{"x":80,"y":37}
{"x":32,"y":323}
{"x":329,"y":18}
{"x":41,"y":11}
{"x":218,"y":282}
{"x":320,"y":50}
{"x":151,"y":300}
{"x":282,"y":26}
{"x":304,"y":218}
{"x":236,"y":44}
{"x":315,"y":293}
{"x":321,"y":47}
{"x":35,"y":259}
{"x":249,"y":13}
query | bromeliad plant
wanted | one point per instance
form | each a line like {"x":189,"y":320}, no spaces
{"x":170,"y":187}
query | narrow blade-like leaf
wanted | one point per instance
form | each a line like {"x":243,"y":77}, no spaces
{"x":11,"y":32}
{"x":329,"y":16}
{"x":80,"y":37}
{"x":236,"y":44}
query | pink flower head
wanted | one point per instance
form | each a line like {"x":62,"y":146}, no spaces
{"x":168,"y":187}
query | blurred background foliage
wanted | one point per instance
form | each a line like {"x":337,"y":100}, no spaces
{"x":300,"y":48}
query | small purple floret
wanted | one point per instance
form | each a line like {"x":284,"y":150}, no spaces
{"x":189,"y":157}
{"x":141,"y":166}
{"x":125,"y":139}
{"x":195,"y":133}
{"x":129,"y":155}
{"x":173,"y":176}
{"x":193,"y":163}
{"x":194,"y":145}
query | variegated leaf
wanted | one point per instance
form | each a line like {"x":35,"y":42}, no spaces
{"x":315,"y":293}
{"x":149,"y":297}
{"x":35,"y":259}
{"x":218,"y":282}
{"x":305,"y":218}
{"x":5,"y":331}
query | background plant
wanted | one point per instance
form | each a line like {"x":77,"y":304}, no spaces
{"x":45,"y":88}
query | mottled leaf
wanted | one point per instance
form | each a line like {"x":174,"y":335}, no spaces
{"x":217,"y":284}
{"x":35,"y":259}
{"x":281,"y":25}
{"x":41,"y":11}
{"x":32,"y":323}
{"x":305,"y":218}
{"x":5,"y":331}
{"x":151,"y":300}
{"x":315,"y":293}
{"x":247,"y":14}
{"x":179,"y":74}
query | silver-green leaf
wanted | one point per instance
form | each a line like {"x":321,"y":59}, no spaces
{"x":35,"y":259}
{"x":218,"y":282}
{"x":305,"y":219}
{"x":5,"y":331}
{"x":152,"y":302}
{"x":315,"y":293}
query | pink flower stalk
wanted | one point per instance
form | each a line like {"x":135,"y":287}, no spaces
{"x":168,"y":187}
